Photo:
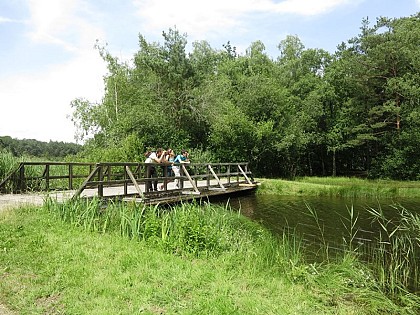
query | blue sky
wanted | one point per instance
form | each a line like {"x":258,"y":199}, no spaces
{"x":47,"y":55}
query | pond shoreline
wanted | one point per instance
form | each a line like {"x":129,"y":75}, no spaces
{"x":340,"y":187}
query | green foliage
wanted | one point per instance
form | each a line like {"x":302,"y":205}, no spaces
{"x":307,"y":112}
{"x":187,"y":229}
{"x":8,"y":163}
{"x":35,"y":148}
{"x":395,"y":253}
{"x":232,"y":135}
{"x":340,"y":187}
{"x":50,"y":266}
{"x":199,"y":155}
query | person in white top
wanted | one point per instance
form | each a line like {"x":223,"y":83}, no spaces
{"x":153,"y":158}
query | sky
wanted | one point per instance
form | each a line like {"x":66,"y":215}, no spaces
{"x":48,"y":59}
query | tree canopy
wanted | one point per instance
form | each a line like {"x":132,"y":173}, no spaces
{"x":307,"y":112}
{"x":35,"y":148}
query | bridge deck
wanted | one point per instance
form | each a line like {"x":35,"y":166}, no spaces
{"x":123,"y":181}
{"x":170,"y":195}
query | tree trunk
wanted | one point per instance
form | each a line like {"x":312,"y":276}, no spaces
{"x":310,"y":165}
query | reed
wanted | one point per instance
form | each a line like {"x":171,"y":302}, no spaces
{"x":392,"y":256}
{"x":350,"y":226}
{"x":321,"y":228}
{"x":7,"y":163}
{"x":192,"y":229}
{"x":396,"y":252}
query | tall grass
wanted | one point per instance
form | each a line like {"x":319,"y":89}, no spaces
{"x":393,"y":256}
{"x":191,"y":229}
{"x":7,"y":163}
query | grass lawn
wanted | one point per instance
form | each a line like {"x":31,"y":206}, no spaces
{"x":340,"y":187}
{"x":48,"y":266}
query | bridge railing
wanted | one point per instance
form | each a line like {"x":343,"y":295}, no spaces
{"x":45,"y":176}
{"x":214,"y":175}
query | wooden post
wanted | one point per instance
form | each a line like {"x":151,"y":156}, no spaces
{"x":243,"y":173}
{"x":70,"y":176}
{"x":190,"y":179}
{"x":196,"y":173}
{"x":126,"y":170}
{"x":208,"y":175}
{"x":47,"y":177}
{"x":100,"y":179}
{"x":165,"y":174}
{"x":22,"y":184}
{"x":87,"y":180}
{"x":109,"y":170}
{"x":181,"y":180}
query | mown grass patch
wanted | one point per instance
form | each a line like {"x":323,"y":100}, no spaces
{"x":340,"y":187}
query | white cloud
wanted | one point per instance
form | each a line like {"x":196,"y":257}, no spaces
{"x":202,"y":18}
{"x":38,"y":105}
{"x":63,"y":23}
{"x":306,"y":7}
{"x":8,"y":20}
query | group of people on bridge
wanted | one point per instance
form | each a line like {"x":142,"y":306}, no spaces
{"x":169,"y":159}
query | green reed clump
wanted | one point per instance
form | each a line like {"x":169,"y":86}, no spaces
{"x":186,"y":229}
{"x":396,"y":252}
{"x":392,"y":257}
{"x":7,"y":163}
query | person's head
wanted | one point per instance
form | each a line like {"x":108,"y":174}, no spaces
{"x":159,"y":152}
{"x":170,"y":152}
{"x":147,"y":153}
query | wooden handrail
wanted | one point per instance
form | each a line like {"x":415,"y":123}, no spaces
{"x":107,"y":174}
{"x":190,"y":179}
{"x":216,"y":177}
{"x":83,"y":186}
{"x":134,"y":181}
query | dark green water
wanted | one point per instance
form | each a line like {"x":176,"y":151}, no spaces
{"x":278,"y":213}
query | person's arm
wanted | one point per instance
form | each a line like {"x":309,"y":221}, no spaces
{"x":159,"y":159}
{"x":185,"y":159}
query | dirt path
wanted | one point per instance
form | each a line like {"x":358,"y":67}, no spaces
{"x":13,"y":201}
{"x":5,"y":311}
{"x":17,"y":200}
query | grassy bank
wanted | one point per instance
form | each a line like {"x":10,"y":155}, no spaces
{"x":83,"y":258}
{"x":340,"y":187}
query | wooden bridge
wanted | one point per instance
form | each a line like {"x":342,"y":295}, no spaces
{"x":127,"y":181}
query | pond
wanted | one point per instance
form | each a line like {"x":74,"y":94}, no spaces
{"x":332,"y":220}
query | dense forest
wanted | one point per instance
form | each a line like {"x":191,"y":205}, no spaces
{"x":306,"y":112}
{"x":35,"y":148}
